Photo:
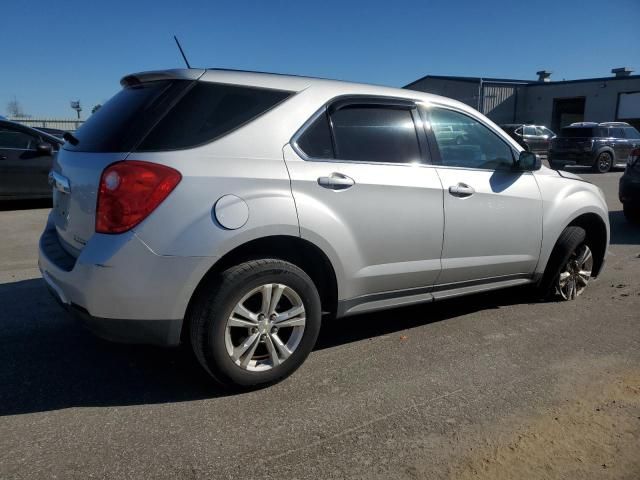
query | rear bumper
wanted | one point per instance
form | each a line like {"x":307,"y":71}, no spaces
{"x":571,"y":158}
{"x":120,"y":289}
{"x":629,"y":188}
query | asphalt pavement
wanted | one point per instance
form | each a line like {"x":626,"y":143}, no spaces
{"x":495,"y":385}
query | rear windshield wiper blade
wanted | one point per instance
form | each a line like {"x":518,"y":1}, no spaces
{"x":68,"y":136}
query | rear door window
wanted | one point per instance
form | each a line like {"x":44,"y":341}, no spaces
{"x":372,"y":133}
{"x":616,"y":132}
{"x":316,"y":141}
{"x":530,"y":130}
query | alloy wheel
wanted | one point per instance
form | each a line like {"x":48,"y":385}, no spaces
{"x":575,"y":275}
{"x":265,"y":327}
{"x":604,"y":162}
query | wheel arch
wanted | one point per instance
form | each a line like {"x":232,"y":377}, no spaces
{"x":596,"y":231}
{"x":607,"y":149}
{"x":302,"y":253}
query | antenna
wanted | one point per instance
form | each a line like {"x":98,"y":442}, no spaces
{"x":182,"y":51}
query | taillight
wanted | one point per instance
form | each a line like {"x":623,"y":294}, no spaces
{"x":634,"y":158}
{"x":129,"y":191}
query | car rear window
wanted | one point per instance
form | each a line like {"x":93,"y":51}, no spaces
{"x":583,"y":132}
{"x":120,"y":124}
{"x":171,"y":115}
{"x":208,"y":111}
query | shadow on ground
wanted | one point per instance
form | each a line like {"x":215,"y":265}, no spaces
{"x":48,"y":361}
{"x":622,"y":231}
{"x":6,"y":205}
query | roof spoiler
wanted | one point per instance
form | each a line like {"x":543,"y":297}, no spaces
{"x":176,"y":74}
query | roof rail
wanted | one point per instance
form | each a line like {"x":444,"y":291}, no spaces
{"x":584,"y":124}
{"x":614,"y":124}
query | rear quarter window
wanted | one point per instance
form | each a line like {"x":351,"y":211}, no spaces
{"x":207,"y":112}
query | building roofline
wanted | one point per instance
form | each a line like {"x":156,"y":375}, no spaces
{"x":472,"y":79}
{"x":522,"y":82}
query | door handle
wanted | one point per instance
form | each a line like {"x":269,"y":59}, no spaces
{"x":461,"y":190}
{"x":336,"y":181}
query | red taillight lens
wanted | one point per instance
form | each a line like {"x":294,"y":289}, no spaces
{"x":129,"y":191}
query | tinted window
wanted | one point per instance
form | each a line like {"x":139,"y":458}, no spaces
{"x":127,"y":117}
{"x":473,"y":145}
{"x":584,"y":132}
{"x":17,"y":139}
{"x":375,"y":134}
{"x":631,"y":132}
{"x":544,"y":131}
{"x":616,"y":132}
{"x":315,"y":142}
{"x":530,"y":130}
{"x":208,"y":111}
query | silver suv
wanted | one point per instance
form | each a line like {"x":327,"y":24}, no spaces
{"x":234,"y":210}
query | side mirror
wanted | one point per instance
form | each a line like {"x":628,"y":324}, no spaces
{"x":44,"y":149}
{"x":528,"y":161}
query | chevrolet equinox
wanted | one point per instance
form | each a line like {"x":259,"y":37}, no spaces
{"x":233,"y":211}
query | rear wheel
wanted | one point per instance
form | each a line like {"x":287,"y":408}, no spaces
{"x":631,"y":213}
{"x":569,"y":267}
{"x":603,"y":163}
{"x":256,"y":323}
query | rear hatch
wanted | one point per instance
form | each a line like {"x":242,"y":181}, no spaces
{"x":107,"y":137}
{"x":574,"y":139}
{"x":154,"y":112}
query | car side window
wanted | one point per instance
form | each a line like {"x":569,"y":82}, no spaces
{"x":530,"y":130}
{"x":475,"y":145}
{"x":542,"y":131}
{"x":616,"y":132}
{"x":373,"y":133}
{"x":631,"y":132}
{"x":17,"y":139}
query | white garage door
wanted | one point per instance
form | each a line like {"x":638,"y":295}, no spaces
{"x":629,"y":106}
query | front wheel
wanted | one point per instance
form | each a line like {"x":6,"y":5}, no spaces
{"x":256,"y":323}
{"x":569,"y":267}
{"x":576,"y":273}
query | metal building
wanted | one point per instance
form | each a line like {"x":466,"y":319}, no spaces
{"x":543,"y":101}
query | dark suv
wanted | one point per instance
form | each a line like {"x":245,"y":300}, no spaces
{"x":535,"y":138}
{"x":598,"y":145}
{"x":629,"y":191}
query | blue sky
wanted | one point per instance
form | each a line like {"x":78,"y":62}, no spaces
{"x":58,"y":51}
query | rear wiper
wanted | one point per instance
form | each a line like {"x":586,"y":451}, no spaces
{"x":68,"y":136}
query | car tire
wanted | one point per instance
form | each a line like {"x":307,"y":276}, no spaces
{"x":566,"y":266}
{"x":603,"y":163}
{"x":218,"y":333}
{"x":631,"y":213}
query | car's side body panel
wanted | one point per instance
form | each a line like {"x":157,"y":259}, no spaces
{"x":387,"y":228}
{"x":565,"y":200}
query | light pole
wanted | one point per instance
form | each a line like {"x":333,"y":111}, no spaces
{"x":75,"y":105}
